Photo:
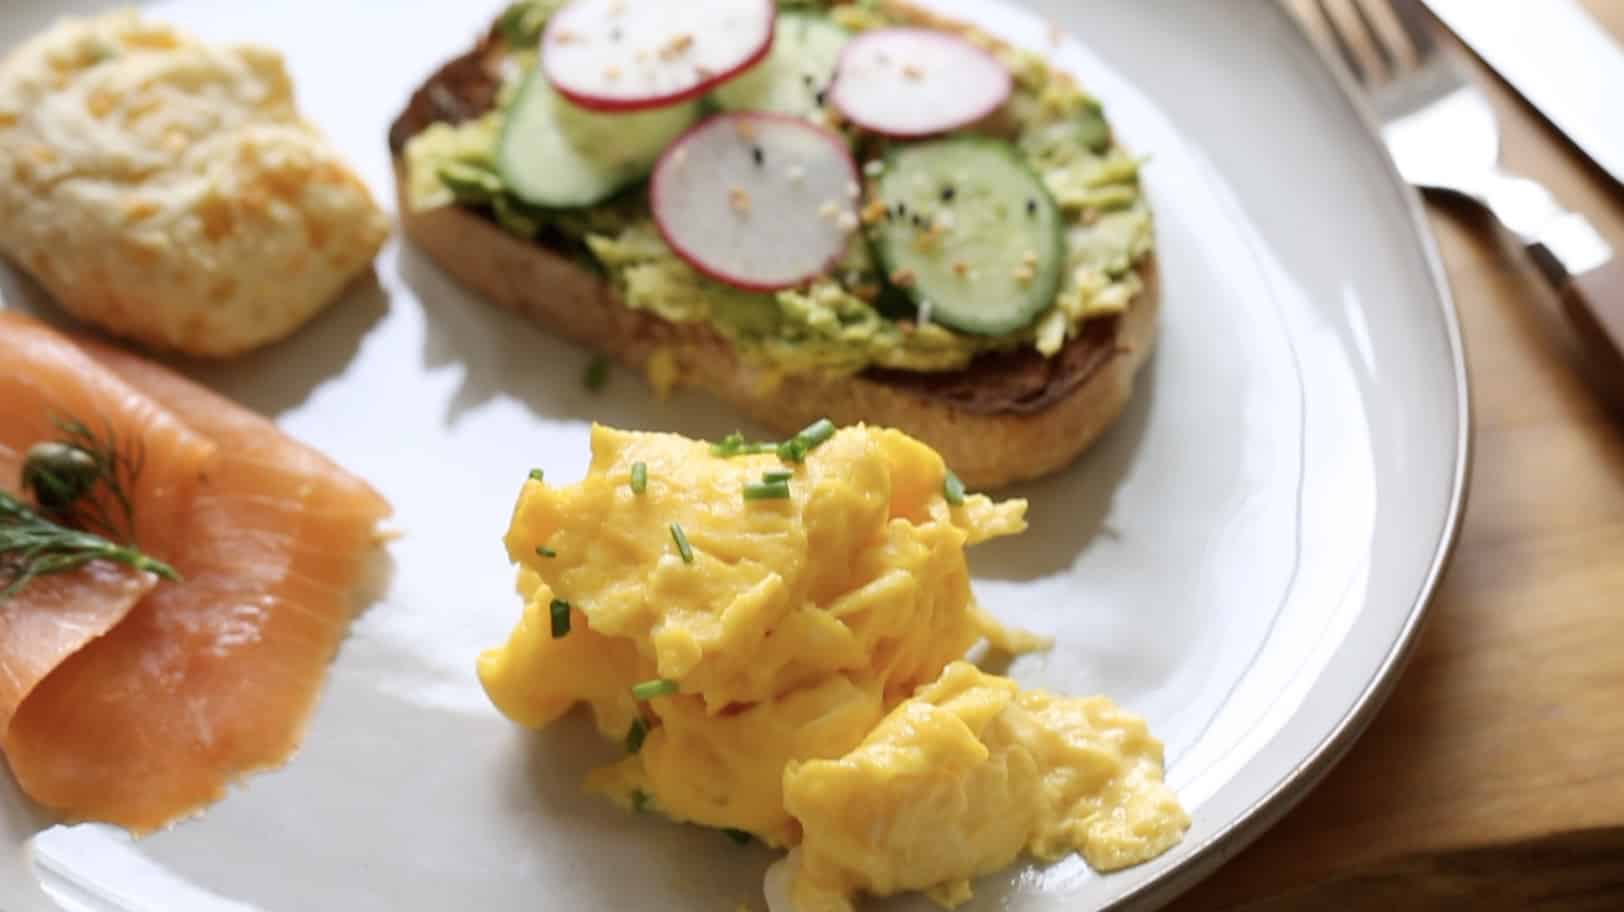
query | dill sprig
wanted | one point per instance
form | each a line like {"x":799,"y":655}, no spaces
{"x":32,"y":546}
{"x":65,"y":477}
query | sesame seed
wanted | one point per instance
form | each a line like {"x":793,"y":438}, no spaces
{"x":745,"y":127}
{"x":1030,"y":258}
{"x":1024,"y":274}
{"x":739,"y":199}
{"x":1031,"y":207}
{"x":949,"y":192}
{"x":919,"y":221}
{"x":822,"y":98}
{"x":810,"y":80}
{"x":874,"y":211}
{"x":829,"y":210}
{"x":946,"y":220}
{"x":759,"y":155}
{"x":565,"y":36}
{"x":902,"y":210}
{"x":795,"y":173}
{"x":616,"y":34}
{"x":847,"y":222}
{"x":903,"y":278}
{"x":961,"y":268}
{"x":853,"y":191}
{"x":611,"y":73}
{"x":874,"y":168}
{"x":912,"y":71}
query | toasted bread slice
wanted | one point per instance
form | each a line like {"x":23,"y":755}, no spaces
{"x":1007,"y":417}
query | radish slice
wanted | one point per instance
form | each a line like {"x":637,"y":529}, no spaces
{"x":757,"y":201}
{"x":631,"y":55}
{"x":911,"y":82}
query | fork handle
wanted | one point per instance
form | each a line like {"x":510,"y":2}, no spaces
{"x":1594,"y":301}
{"x":1577,"y":260}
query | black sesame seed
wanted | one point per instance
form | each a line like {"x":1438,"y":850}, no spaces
{"x":822,"y":97}
{"x":616,"y":35}
{"x":1031,"y":207}
{"x":902,"y":210}
{"x":810,"y":80}
{"x":919,"y":221}
{"x":760,"y":156}
{"x":948,"y":193}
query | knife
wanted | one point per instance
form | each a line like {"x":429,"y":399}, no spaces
{"x":1559,"y":59}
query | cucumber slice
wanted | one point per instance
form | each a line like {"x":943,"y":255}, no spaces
{"x":970,"y":233}
{"x":559,"y":156}
{"x":795,"y":77}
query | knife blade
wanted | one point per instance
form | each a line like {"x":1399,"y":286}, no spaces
{"x":1558,"y":58}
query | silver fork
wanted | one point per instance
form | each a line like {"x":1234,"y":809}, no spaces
{"x":1445,"y":138}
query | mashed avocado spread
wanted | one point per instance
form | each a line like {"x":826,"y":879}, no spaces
{"x":849,"y":320}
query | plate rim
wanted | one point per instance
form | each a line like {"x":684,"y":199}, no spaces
{"x":1204,"y":860}
{"x":1195,"y":864}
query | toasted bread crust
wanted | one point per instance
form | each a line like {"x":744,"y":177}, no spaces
{"x":1044,"y":414}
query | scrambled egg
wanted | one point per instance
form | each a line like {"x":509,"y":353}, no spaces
{"x":168,"y":191}
{"x":965,"y":776}
{"x":790,"y":667}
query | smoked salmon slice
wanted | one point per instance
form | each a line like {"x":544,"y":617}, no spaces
{"x":45,"y":379}
{"x":214,"y":677}
{"x":55,"y":616}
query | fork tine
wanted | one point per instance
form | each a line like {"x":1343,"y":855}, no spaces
{"x":1343,"y":46}
{"x":1417,"y":25}
{"x":1380,"y":41}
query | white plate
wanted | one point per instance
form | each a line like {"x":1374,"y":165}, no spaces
{"x":1245,"y":559}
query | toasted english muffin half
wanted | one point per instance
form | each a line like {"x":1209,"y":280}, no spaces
{"x":1007,"y":417}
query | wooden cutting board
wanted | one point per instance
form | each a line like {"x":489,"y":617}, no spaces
{"x":1494,"y":778}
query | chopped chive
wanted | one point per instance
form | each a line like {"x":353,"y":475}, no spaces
{"x":781,"y":475}
{"x":597,"y":374}
{"x":767,"y":490}
{"x":815,"y":435}
{"x":561,"y":619}
{"x":739,"y":837}
{"x":683,"y":548}
{"x":953,"y":490}
{"x":640,"y":800}
{"x":818,"y":433}
{"x":545,"y":551}
{"x":659,"y":687}
{"x":734,"y":444}
{"x":639,"y":477}
{"x":535,"y":475}
{"x":635,"y":736}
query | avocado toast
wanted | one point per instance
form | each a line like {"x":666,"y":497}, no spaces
{"x":995,"y":297}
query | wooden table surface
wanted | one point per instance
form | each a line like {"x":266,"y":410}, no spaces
{"x":1494,"y":777}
